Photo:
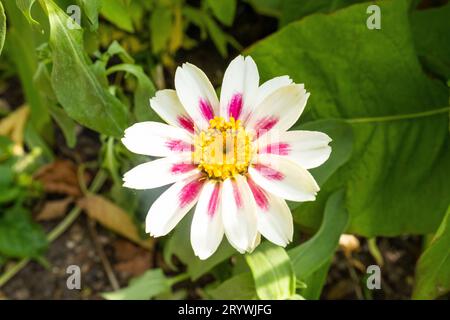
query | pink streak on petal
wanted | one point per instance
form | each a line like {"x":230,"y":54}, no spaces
{"x":189,"y":192}
{"x":178,"y":145}
{"x":179,"y":168}
{"x":259,"y":195}
{"x":206,"y":109}
{"x":186,"y":123}
{"x":265,"y":124}
{"x":268,"y":172}
{"x":214,"y":201}
{"x":237,"y":194}
{"x":235,"y":106}
{"x":280,"y":148}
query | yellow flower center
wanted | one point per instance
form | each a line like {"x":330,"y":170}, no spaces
{"x":224,"y":150}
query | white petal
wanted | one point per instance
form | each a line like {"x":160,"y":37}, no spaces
{"x":197,"y":94}
{"x":239,"y":214}
{"x":308,"y":148}
{"x":156,"y":139}
{"x":274,"y":217}
{"x":280,"y":110}
{"x":283,"y":178}
{"x":159,"y":172}
{"x":172,"y":206}
{"x":167,"y":105}
{"x":207,"y":226}
{"x":239,"y":88}
{"x":271,"y":86}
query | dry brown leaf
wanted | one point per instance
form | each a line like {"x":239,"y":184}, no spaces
{"x":136,"y":266}
{"x":13,"y":126}
{"x":60,"y":177}
{"x":132,"y":259}
{"x":54,"y":209}
{"x":113,"y":217}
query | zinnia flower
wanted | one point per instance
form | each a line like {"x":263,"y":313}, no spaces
{"x":234,"y":158}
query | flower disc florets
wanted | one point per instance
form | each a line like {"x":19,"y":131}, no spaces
{"x":224,"y":149}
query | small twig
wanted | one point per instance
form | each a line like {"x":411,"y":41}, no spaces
{"x":97,"y":183}
{"x":103,"y":258}
{"x":354,"y":276}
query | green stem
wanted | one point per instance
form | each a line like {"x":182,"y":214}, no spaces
{"x":400,"y":116}
{"x":178,"y":278}
{"x":374,"y":251}
{"x":11,"y":272}
{"x":97,"y":183}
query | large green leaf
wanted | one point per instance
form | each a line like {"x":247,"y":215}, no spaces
{"x":396,"y":181}
{"x":144,"y":287}
{"x":433,"y":267}
{"x":310,"y":256}
{"x":239,"y":287}
{"x":296,"y":9}
{"x":431,"y":35}
{"x":77,"y":88}
{"x":272,"y":271}
{"x":20,"y":237}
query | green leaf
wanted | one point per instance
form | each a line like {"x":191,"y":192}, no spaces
{"x":372,"y":80}
{"x":239,"y":287}
{"x":117,"y":12}
{"x":91,"y":9}
{"x":144,"y":91}
{"x":76,"y":85}
{"x":317,"y":251}
{"x":217,"y":35}
{"x":433,"y":267}
{"x":144,"y":287}
{"x":67,"y":125}
{"x":267,"y":7}
{"x":224,"y":10}
{"x":297,"y":9}
{"x":21,"y":48}
{"x":180,"y":245}
{"x":272,"y":271}
{"x":20,"y":237}
{"x":430,"y":29}
{"x":25,"y":6}
{"x":161,"y":28}
{"x":315,"y":282}
{"x":42,"y":81}
{"x":341,"y":134}
{"x":2,"y":27}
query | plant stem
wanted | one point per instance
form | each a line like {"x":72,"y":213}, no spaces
{"x":97,"y":183}
{"x":178,"y":278}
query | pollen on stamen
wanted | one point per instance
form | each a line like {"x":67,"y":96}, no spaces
{"x":223,"y":150}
